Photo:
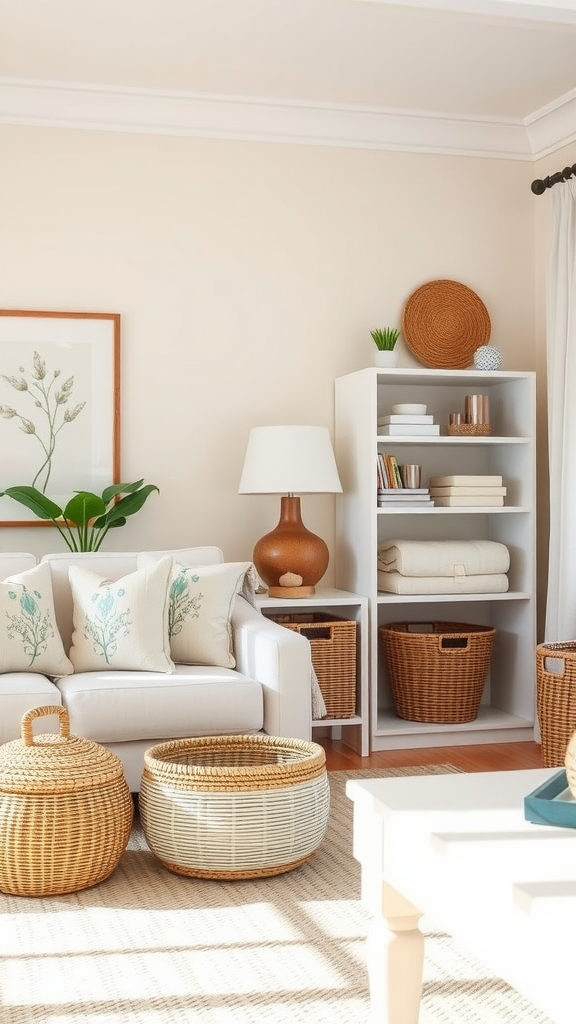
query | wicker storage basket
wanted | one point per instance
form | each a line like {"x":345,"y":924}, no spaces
{"x":437,"y":670}
{"x":234,"y":807}
{"x":65,"y":811}
{"x":556,"y":699}
{"x":333,"y":644}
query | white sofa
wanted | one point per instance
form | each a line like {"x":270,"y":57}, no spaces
{"x":128,"y":711}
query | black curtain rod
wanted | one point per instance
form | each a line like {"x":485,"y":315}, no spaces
{"x":541,"y":184}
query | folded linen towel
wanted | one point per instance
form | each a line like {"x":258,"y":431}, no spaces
{"x":443,"y":557}
{"x":488,"y":583}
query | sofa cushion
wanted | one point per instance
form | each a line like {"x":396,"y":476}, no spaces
{"x":15,"y":561}
{"x":201,"y":602}
{"x":115,"y":706}
{"x":19,"y":692}
{"x":121,"y":624}
{"x":29,"y":637}
{"x":112,"y":565}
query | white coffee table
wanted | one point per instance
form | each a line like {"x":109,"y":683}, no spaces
{"x":458,"y":848}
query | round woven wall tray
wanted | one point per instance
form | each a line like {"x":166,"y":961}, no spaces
{"x":443,"y":324}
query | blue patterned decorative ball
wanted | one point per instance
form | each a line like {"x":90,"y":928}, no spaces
{"x":487,"y":357}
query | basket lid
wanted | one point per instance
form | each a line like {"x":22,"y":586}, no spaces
{"x":55,"y":762}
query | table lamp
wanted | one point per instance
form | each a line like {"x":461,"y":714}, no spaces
{"x":290,"y":461}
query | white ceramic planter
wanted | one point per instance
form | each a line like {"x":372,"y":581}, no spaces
{"x":388,"y":357}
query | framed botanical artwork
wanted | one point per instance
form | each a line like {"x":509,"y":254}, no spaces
{"x":59,"y":406}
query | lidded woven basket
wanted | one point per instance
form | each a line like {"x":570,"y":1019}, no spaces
{"x":65,"y":810}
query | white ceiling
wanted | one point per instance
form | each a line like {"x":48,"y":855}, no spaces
{"x":487,"y":77}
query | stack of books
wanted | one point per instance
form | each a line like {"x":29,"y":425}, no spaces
{"x":391,"y":490}
{"x":467,"y":490}
{"x":404,"y":497}
{"x":407,"y":424}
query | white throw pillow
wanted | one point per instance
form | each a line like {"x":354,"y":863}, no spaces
{"x":29,"y":637}
{"x":121,"y":624}
{"x":201,"y":602}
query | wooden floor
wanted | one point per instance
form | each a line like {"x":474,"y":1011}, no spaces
{"x":479,"y":758}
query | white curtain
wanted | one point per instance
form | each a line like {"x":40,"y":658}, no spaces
{"x":561,"y":373}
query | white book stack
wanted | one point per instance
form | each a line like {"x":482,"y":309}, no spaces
{"x":404,"y":497}
{"x":407,"y":424}
{"x":467,"y":491}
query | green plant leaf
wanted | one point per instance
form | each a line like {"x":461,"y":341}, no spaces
{"x":86,"y":518}
{"x":111,"y":492}
{"x":127,"y":506}
{"x":102,"y":523}
{"x":37,"y":502}
{"x":83,"y":507}
{"x":385,"y":338}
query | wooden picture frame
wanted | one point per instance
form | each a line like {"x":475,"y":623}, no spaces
{"x":59,"y":406}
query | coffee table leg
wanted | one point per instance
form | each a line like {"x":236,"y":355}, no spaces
{"x":395,"y":957}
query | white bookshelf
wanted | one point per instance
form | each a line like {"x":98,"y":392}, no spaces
{"x":354,"y":731}
{"x":507,"y":711}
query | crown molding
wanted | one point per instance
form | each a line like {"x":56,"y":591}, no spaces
{"x":92,"y":107}
{"x":553,"y":126}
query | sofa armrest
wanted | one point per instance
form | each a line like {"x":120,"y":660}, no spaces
{"x":280,"y":659}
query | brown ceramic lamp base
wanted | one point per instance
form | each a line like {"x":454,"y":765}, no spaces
{"x":291,"y":548}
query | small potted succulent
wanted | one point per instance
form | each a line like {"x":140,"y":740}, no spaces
{"x":385,"y":339}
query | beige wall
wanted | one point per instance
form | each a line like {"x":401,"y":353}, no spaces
{"x":248,"y":277}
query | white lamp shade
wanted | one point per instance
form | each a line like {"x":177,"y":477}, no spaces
{"x":289,"y":460}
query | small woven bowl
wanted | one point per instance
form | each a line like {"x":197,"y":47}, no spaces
{"x":469,"y":429}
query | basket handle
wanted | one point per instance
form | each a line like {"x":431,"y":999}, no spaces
{"x":318,"y":633}
{"x":50,"y":709}
{"x":449,"y":643}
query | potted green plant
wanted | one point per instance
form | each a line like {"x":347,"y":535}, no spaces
{"x":385,"y":339}
{"x":86,"y":518}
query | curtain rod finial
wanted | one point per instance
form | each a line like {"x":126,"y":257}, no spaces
{"x":541,"y":184}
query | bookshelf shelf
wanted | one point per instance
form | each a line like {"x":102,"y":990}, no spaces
{"x":508,"y":706}
{"x":354,"y":731}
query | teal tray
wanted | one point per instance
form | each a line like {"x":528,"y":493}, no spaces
{"x":551,"y":803}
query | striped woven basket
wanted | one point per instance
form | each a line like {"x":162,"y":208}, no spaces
{"x":65,"y":810}
{"x":234,"y":806}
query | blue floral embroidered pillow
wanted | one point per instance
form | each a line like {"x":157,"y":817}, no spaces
{"x":29,"y":637}
{"x":201,"y":601}
{"x":121,"y":624}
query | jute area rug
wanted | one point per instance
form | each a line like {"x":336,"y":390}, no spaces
{"x":151,"y":947}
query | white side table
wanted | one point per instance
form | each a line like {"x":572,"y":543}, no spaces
{"x":354,"y":731}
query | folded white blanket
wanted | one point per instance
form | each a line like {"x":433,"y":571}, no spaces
{"x":443,"y":557}
{"x":488,"y":583}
